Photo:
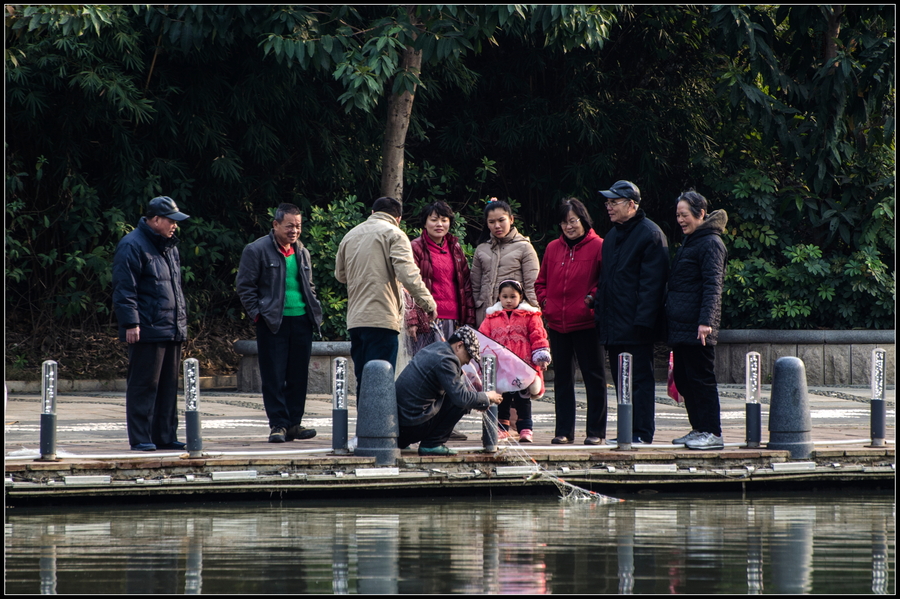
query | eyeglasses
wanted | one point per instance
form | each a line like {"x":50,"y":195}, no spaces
{"x":610,"y":203}
{"x":573,"y":222}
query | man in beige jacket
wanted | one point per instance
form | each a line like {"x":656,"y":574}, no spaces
{"x":374,"y":259}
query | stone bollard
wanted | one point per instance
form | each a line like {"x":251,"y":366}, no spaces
{"x":377,"y":423}
{"x":790,"y":426}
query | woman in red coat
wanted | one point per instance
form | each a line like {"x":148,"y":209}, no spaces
{"x":445,"y":273}
{"x":565,"y":290}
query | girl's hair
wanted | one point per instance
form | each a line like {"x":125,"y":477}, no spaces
{"x":491,"y":206}
{"x":511,"y":283}
{"x":695,"y":202}
{"x":575,"y":205}
{"x":440,"y":208}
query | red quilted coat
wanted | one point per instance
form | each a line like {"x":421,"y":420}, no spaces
{"x":520,"y":330}
{"x":568,"y":275}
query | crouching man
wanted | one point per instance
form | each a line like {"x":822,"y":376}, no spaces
{"x":433,"y":394}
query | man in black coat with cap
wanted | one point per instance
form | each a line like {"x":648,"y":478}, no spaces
{"x":152,"y":315}
{"x":631,"y":293}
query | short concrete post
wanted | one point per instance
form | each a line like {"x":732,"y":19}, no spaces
{"x":878,"y":411}
{"x":624,"y":414}
{"x":790,"y":425}
{"x":753,"y":423}
{"x":490,"y":420}
{"x":339,"y":417}
{"x":192,"y":426}
{"x":377,"y":423}
{"x":49,"y":383}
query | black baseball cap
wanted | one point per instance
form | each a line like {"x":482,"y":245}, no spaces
{"x":623,"y":189}
{"x":165,"y":206}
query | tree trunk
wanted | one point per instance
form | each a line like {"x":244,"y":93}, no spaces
{"x":399,"y":111}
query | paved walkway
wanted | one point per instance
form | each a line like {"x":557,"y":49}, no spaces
{"x":94,"y":423}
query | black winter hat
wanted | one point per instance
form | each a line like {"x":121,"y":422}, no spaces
{"x":624,"y":189}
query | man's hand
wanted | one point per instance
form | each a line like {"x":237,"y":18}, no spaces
{"x":412,"y":332}
{"x":433,"y":315}
{"x":494,"y":397}
{"x":133,"y":335}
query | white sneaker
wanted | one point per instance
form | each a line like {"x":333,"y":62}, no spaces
{"x":682,"y":440}
{"x":705,"y":441}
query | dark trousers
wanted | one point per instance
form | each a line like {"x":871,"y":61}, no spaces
{"x":643,"y":386}
{"x":152,"y":392}
{"x":372,"y":343}
{"x":583,"y":346}
{"x":694,"y":369}
{"x":433,"y":432}
{"x":284,"y":368}
{"x":523,"y":411}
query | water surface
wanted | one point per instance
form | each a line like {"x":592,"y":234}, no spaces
{"x":822,"y":543}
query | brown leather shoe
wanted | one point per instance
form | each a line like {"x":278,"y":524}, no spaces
{"x":300,"y":432}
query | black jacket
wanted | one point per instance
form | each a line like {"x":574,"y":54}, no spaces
{"x":695,"y":283}
{"x":260,"y":282}
{"x":146,"y":278}
{"x":628,"y":309}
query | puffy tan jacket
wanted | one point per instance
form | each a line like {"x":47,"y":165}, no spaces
{"x":497,"y":260}
{"x":695,"y":283}
{"x":567,"y":276}
{"x":463,"y":276}
{"x":373,"y":260}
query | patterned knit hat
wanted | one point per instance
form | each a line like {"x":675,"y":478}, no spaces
{"x":470,"y":342}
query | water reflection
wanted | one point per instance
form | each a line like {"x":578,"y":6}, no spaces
{"x":661,"y":544}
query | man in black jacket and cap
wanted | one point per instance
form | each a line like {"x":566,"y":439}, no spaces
{"x":631,"y":293}
{"x":152,"y":315}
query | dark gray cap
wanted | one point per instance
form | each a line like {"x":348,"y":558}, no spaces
{"x":165,"y":206}
{"x":470,"y":342}
{"x":623,"y":189}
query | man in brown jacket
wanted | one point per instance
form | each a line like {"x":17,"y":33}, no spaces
{"x":374,"y":259}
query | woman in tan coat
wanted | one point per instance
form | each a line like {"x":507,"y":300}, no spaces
{"x":502,"y":254}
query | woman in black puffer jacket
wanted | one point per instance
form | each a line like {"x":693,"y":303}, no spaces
{"x":693,"y":310}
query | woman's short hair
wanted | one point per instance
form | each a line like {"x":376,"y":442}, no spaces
{"x":440,"y":208}
{"x":389,"y":205}
{"x":574,"y":205}
{"x":695,"y":202}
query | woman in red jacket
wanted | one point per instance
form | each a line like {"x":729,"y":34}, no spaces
{"x":445,"y":273}
{"x":565,"y":290}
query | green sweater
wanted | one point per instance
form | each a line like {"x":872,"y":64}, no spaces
{"x":293,"y":297}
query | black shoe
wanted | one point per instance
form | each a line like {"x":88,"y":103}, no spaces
{"x":562,"y":440}
{"x":173,"y":445}
{"x":277,"y":434}
{"x":457,"y":436}
{"x":299,"y":432}
{"x":143,"y":447}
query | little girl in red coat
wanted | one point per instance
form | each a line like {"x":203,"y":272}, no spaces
{"x":517,"y":325}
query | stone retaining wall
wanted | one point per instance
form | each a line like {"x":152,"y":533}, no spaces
{"x":830,"y":357}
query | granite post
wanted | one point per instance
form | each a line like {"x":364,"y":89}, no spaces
{"x":377,"y":422}
{"x":790,"y":425}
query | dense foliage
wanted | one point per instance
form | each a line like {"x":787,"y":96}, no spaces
{"x":783,"y":116}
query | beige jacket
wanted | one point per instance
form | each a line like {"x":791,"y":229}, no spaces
{"x":512,"y":257}
{"x":373,"y":260}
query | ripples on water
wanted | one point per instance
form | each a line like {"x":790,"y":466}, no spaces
{"x":656,"y":544}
